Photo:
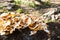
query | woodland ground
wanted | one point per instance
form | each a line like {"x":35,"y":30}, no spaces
{"x":38,"y":10}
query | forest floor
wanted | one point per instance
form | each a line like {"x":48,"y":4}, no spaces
{"x":40,"y":35}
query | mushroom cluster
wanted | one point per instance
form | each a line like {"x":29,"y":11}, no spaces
{"x":11,"y":21}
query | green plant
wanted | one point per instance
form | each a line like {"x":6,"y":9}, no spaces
{"x":17,"y":2}
{"x":47,"y":2}
{"x":19,"y":10}
{"x":32,"y":4}
{"x":25,"y":2}
{"x":1,"y":7}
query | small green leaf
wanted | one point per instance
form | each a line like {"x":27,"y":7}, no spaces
{"x":1,"y":7}
{"x":19,"y":10}
{"x":32,"y":4}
